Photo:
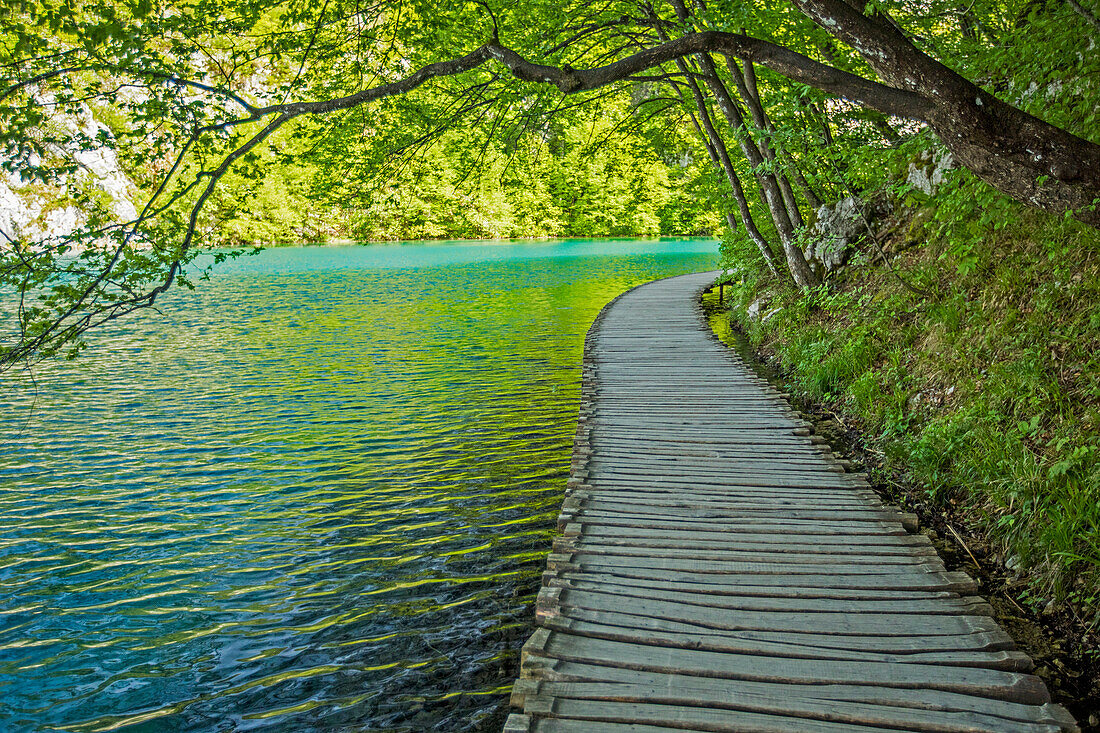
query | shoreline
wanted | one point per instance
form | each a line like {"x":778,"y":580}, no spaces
{"x":343,"y":242}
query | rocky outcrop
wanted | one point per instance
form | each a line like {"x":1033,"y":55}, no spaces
{"x":758,"y":309}
{"x":837,"y":228}
{"x":929,"y":172}
{"x":38,"y":212}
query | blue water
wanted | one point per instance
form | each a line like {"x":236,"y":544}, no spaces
{"x":314,"y":494}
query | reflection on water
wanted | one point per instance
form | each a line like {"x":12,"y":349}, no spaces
{"x":315,"y":494}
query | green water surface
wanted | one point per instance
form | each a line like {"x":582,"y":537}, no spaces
{"x":315,"y":494}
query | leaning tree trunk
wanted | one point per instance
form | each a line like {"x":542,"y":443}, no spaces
{"x":1023,"y":156}
{"x":1018,"y":154}
{"x":719,"y":156}
{"x":1032,"y":161}
{"x":800,"y":270}
{"x":750,"y":95}
{"x":773,"y":195}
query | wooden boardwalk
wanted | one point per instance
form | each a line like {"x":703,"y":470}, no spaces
{"x":719,"y":571}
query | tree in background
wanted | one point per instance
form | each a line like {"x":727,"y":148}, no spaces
{"x":585,"y":172}
{"x":198,"y":90}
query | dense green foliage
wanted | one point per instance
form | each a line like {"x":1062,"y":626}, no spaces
{"x":969,"y":359}
{"x":247,"y":120}
{"x":971,"y":362}
{"x":590,"y":176}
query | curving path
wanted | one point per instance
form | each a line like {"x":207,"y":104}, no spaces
{"x":719,"y":571}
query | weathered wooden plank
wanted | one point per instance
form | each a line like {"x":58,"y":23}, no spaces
{"x":995,"y":684}
{"x":561,"y":600}
{"x":980,"y":641}
{"x":777,"y":566}
{"x":720,"y":570}
{"x":764,"y":435}
{"x":748,"y":525}
{"x":732,"y":502}
{"x":553,"y":670}
{"x":681,"y":717}
{"x":609,"y":507}
{"x":528,"y":724}
{"x":700,"y":438}
{"x":965,"y":605}
{"x":828,"y":479}
{"x":872,"y":543}
{"x":687,"y":456}
{"x":676,"y":426}
{"x":654,"y":632}
{"x":719,"y":470}
{"x":770,"y":587}
{"x":957,"y":582}
{"x":788,"y":555}
{"x":808,"y":708}
{"x":697,"y":491}
{"x":794,"y":448}
{"x":774,"y":460}
{"x":571,"y":541}
{"x":701,"y":492}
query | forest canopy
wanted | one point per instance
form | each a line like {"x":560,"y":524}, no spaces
{"x":497,"y":119}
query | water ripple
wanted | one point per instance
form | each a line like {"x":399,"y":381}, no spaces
{"x":315,"y":494}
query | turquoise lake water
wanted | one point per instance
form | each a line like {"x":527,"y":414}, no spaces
{"x":315,"y":494}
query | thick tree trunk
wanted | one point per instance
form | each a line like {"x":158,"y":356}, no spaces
{"x":1022,"y":156}
{"x":1016,"y":153}
{"x":1026,"y":158}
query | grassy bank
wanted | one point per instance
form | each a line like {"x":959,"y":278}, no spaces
{"x":964,"y":347}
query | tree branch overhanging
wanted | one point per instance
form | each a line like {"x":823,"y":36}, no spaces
{"x":794,"y":65}
{"x":1006,"y":147}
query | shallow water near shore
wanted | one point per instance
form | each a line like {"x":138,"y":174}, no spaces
{"x":315,"y":494}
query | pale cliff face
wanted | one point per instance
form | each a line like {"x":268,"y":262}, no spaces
{"x":37,"y":211}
